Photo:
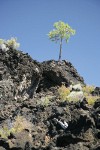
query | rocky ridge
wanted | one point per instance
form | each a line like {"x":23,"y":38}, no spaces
{"x":29,"y":95}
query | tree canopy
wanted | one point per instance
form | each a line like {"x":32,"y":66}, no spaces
{"x":61,"y":31}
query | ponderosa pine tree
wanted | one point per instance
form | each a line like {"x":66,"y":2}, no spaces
{"x":61,"y":31}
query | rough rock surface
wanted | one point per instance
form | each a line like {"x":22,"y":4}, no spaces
{"x":29,"y":89}
{"x":55,"y":73}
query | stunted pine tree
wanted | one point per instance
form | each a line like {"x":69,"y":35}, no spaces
{"x":61,"y":31}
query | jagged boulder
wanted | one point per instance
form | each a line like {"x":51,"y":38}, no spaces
{"x":19,"y":78}
{"x":57,"y":73}
{"x":18,"y":73}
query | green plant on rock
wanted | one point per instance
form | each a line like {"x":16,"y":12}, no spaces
{"x":4,"y":132}
{"x":6,"y":45}
{"x":21,"y":123}
{"x":91,"y":99}
{"x":63,"y":92}
{"x":45,"y":101}
{"x":61,"y":31}
{"x":12,"y":43}
{"x":18,"y":126}
{"x":88,"y":89}
{"x":3,"y":45}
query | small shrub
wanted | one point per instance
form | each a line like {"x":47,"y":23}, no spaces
{"x":45,"y":101}
{"x":88,"y":89}
{"x":12,"y":43}
{"x":91,"y":99}
{"x":18,"y":126}
{"x":21,"y":123}
{"x":63,"y":92}
{"x":3,"y":45}
{"x":4,"y":132}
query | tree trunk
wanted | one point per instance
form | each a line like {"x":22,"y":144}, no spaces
{"x":60,"y":50}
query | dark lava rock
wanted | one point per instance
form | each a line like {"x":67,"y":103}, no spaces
{"x":96,"y":113}
{"x":55,"y":73}
{"x":97,"y":103}
{"x":96,"y":91}
{"x":29,"y":89}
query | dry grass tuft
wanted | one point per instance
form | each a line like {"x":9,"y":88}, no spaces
{"x":63,"y":92}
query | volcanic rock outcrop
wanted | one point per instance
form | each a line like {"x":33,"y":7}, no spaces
{"x":33,"y":117}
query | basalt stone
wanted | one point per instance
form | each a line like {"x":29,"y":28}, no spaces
{"x":55,"y":73}
{"x":30,"y":89}
{"x":96,"y":91}
{"x":97,"y":103}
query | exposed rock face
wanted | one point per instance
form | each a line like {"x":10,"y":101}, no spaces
{"x":21,"y":77}
{"x":29,"y":89}
{"x":55,"y":73}
{"x":19,"y":72}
